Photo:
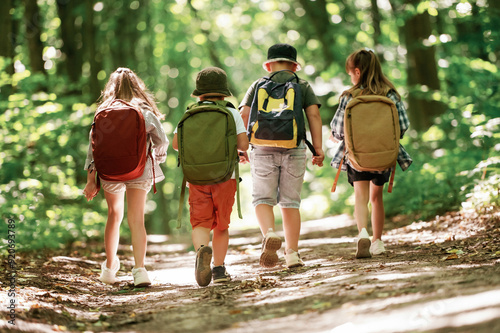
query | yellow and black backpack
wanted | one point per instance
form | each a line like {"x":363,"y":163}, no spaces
{"x":276,"y":116}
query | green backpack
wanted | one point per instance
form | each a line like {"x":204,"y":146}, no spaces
{"x":207,"y":141}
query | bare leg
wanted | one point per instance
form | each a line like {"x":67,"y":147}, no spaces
{"x":112,"y":230}
{"x":265,"y":216}
{"x":378,"y":213}
{"x":361,"y":212}
{"x":200,"y":236}
{"x":361,"y":196}
{"x":291,"y":226}
{"x":136,"y":200}
{"x":220,"y":244}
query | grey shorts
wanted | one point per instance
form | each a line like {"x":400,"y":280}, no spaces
{"x":115,"y":188}
{"x":277,"y":176}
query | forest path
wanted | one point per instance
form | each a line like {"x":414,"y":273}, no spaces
{"x":437,"y":276}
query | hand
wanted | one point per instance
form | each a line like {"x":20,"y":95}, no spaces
{"x":331,"y":138}
{"x":90,"y":190}
{"x":243,"y":157}
{"x":319,"y":157}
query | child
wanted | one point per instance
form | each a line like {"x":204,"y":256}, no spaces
{"x":278,"y":173}
{"x":366,"y":74}
{"x":211,"y":205}
{"x":124,"y":84}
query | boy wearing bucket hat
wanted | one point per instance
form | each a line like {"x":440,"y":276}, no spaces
{"x":278,"y":173}
{"x":211,"y":205}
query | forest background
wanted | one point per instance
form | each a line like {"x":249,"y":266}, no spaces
{"x":56,"y":56}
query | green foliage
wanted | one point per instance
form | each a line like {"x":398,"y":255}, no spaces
{"x":41,"y":144}
{"x":45,"y":117}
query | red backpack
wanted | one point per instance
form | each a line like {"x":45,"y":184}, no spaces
{"x":119,"y":142}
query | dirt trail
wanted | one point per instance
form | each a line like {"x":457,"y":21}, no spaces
{"x":437,"y":276}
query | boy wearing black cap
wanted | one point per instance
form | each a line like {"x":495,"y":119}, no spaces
{"x":211,"y":205}
{"x":278,"y":173}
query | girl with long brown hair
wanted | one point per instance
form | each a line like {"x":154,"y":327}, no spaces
{"x":363,"y":66}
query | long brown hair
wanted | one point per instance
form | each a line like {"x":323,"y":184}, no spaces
{"x":372,"y":80}
{"x":126,"y":85}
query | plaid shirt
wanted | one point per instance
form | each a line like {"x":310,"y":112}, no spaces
{"x":337,"y":125}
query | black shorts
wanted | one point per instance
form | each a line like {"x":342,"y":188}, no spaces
{"x":378,"y":179}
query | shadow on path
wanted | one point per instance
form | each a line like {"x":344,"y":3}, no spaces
{"x":437,"y":276}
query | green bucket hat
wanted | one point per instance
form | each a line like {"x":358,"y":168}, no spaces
{"x":211,"y":81}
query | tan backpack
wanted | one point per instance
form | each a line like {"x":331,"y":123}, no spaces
{"x":371,"y":134}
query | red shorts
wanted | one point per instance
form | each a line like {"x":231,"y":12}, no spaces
{"x":210,"y":206}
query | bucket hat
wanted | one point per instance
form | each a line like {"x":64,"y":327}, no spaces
{"x":211,"y":81}
{"x":282,"y":52}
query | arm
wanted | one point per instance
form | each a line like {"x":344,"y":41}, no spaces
{"x":245,"y":114}
{"x":315,"y":125}
{"x":243,"y":137}
{"x":404,"y":122}
{"x":160,"y":141}
{"x":337,"y":123}
{"x":242,"y":142}
{"x":175,"y":145}
{"x":91,"y":189}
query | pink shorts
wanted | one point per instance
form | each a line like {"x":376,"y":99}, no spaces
{"x":210,"y":206}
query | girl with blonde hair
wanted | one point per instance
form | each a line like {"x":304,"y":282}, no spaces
{"x":126,"y":86}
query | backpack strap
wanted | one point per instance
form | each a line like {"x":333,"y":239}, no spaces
{"x":284,"y":70}
{"x":237,"y":176}
{"x":310,"y":146}
{"x":334,"y":186}
{"x":181,"y":203}
{"x":391,"y":181}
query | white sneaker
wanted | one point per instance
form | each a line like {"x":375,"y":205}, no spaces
{"x":363,"y":245}
{"x":141,"y":278}
{"x":108,"y":275}
{"x":293,"y":259}
{"x":377,"y":247}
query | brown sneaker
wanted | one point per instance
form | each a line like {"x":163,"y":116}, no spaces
{"x":270,"y":244}
{"x":202,"y":270}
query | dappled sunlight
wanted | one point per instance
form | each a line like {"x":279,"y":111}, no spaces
{"x":450,"y":312}
{"x":325,"y":241}
{"x":397,"y":276}
{"x":245,"y":241}
{"x":164,"y":248}
{"x":327,"y":223}
{"x":337,"y":278}
{"x":275,"y":296}
{"x":178,"y":276}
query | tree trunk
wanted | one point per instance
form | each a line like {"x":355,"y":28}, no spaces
{"x":71,"y":37}
{"x":422,"y":71}
{"x":212,"y":51}
{"x":320,"y":21}
{"x":6,"y":34}
{"x":89,"y":42}
{"x":33,"y":22}
{"x":494,"y":14}
{"x":376,"y":23}
{"x":470,"y":35}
